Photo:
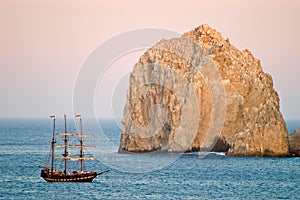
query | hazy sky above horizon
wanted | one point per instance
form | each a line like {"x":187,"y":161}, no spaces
{"x":43,"y":44}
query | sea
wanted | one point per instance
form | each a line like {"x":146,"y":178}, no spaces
{"x":24,"y":146}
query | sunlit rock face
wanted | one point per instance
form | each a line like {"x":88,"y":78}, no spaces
{"x":200,"y":93}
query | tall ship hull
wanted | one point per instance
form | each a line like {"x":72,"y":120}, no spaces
{"x":71,"y":177}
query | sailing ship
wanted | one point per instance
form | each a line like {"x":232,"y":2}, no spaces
{"x":52,"y":175}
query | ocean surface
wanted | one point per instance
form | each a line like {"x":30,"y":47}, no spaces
{"x":24,"y":145}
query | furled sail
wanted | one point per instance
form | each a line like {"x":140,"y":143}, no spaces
{"x":74,"y":145}
{"x":74,"y":134}
{"x":73,"y":158}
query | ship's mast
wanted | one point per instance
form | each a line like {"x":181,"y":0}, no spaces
{"x":65,"y":154}
{"x":52,"y":147}
{"x":81,"y":146}
{"x":66,"y":145}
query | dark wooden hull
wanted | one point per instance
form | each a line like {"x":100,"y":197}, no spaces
{"x":73,"y":177}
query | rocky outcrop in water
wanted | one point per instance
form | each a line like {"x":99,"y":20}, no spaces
{"x":294,"y":143}
{"x":200,"y":93}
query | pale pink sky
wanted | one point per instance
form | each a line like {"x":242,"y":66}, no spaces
{"x":44,"y":43}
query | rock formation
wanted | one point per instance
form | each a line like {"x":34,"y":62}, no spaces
{"x":294,"y":143}
{"x":200,"y":93}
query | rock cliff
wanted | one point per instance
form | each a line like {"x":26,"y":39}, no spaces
{"x":200,"y":93}
{"x":294,"y":143}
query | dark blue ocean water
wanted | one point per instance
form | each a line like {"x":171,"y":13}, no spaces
{"x":24,"y":145}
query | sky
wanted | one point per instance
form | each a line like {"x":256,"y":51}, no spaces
{"x":44,"y":44}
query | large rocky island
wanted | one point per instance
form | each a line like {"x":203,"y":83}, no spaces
{"x":200,"y":93}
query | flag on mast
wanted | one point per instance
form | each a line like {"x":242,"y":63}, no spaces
{"x":52,"y":116}
{"x":77,"y":115}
